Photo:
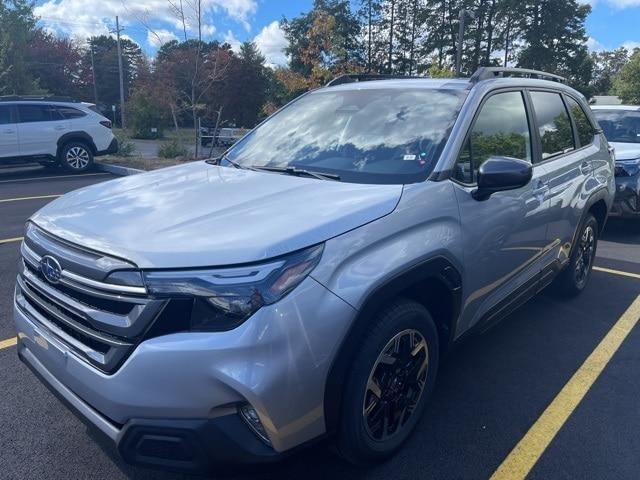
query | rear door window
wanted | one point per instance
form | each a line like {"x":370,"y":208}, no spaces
{"x":556,"y":133}
{"x":38,"y":113}
{"x":583,"y":124}
{"x":5,"y":114}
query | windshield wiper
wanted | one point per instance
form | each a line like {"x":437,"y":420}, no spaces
{"x":299,"y":172}
{"x":218,"y":162}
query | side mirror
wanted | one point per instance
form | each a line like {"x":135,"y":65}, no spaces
{"x":499,"y":174}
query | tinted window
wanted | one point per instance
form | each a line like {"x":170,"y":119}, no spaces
{"x":583,"y":124}
{"x":37,"y":113}
{"x":553,"y":123}
{"x":391,"y":136}
{"x":5,"y":114}
{"x":70,"y":113}
{"x":501,"y":129}
{"x":619,"y":125}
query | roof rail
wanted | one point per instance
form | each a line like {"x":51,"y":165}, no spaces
{"x":487,"y":73}
{"x":37,"y":98}
{"x":366,"y":77}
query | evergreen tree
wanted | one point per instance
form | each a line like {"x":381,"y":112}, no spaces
{"x":18,"y":25}
{"x":555,"y":39}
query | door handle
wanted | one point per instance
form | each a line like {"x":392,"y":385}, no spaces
{"x":585,"y":168}
{"x":60,"y":127}
{"x":8,"y":131}
{"x":540,"y":189}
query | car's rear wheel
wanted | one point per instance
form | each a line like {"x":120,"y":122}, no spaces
{"x":76,"y":157}
{"x":390,"y":381}
{"x":574,"y":279}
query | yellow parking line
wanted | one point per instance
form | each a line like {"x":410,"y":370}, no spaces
{"x":11,"y":240}
{"x":617,"y":272}
{"x":28,"y":198}
{"x":528,"y":451}
{"x":10,"y":342}
{"x":55,"y":176}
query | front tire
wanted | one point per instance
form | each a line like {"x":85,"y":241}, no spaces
{"x":76,"y":157}
{"x":574,"y":279}
{"x":391,"y":379}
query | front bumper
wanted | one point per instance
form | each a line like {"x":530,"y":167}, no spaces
{"x":195,"y":445}
{"x":277,"y":361}
{"x":627,"y":200}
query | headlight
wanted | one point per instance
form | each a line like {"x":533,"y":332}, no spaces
{"x":223,"y":298}
{"x":627,"y":168}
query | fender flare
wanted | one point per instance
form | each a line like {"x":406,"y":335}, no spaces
{"x":438,"y":268}
{"x":77,"y":136}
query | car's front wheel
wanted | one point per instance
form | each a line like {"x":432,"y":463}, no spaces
{"x":391,"y":378}
{"x":76,"y":157}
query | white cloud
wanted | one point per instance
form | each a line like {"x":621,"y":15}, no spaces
{"x":624,"y":3}
{"x":594,"y":45}
{"x":84,"y":18}
{"x":272,"y":42}
{"x":631,"y":45}
{"x":231,"y":39}
{"x":157,"y":38}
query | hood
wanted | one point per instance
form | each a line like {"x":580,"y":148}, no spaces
{"x":198,"y":215}
{"x":626,"y":151}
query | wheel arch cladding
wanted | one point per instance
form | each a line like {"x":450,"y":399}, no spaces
{"x":81,"y":137}
{"x":436,"y":284}
{"x":599,"y":210}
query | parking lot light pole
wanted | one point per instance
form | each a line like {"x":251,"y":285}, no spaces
{"x":463,"y":16}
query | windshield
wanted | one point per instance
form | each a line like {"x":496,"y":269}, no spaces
{"x":386,"y":136}
{"x":619,"y":125}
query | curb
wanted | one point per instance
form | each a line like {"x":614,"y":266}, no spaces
{"x":116,"y":169}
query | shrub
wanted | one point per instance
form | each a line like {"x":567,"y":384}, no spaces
{"x":126,"y":148}
{"x":145,"y":115}
{"x":172,"y":149}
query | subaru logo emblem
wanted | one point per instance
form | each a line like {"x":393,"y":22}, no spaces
{"x":50,"y":269}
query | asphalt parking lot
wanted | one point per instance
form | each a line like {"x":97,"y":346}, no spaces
{"x":501,"y":397}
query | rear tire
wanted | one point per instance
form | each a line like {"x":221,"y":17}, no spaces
{"x":390,"y":381}
{"x":574,"y":279}
{"x":76,"y":157}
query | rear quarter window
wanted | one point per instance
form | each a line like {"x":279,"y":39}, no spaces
{"x":70,"y":113}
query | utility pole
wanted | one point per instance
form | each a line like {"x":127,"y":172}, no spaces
{"x":117,"y":32}
{"x":93,"y":75}
{"x":463,"y":16}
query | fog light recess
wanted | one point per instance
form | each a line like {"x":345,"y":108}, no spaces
{"x":251,"y":418}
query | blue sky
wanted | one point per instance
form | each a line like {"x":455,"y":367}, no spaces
{"x":150,"y":22}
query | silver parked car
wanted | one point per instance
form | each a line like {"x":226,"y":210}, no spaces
{"x":307,"y":283}
{"x":621,"y":126}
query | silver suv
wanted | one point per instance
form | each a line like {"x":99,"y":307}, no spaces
{"x":307,"y":283}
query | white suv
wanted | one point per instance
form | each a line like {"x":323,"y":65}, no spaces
{"x":53,"y":131}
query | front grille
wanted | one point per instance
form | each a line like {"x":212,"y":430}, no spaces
{"x":100,"y":321}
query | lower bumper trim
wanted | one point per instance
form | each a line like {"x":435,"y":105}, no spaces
{"x":191,"y":445}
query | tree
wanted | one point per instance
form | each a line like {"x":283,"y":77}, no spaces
{"x":105,"y":52}
{"x":606,"y":66}
{"x":59,"y":65}
{"x":555,"y":37}
{"x":18,"y":25}
{"x":325,"y":41}
{"x":244,"y":90}
{"x":627,"y":83}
